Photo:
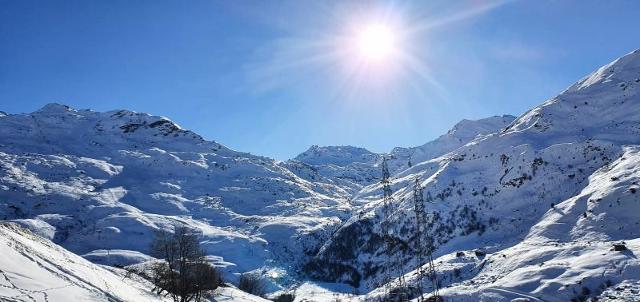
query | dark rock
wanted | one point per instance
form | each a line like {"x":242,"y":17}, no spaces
{"x":619,"y":247}
{"x":479,"y":253}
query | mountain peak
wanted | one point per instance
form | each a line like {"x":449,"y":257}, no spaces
{"x":336,"y":155}
{"x":623,"y":71}
{"x":55,"y":108}
{"x":62,"y":126}
{"x":607,"y":97}
{"x":468,"y":129}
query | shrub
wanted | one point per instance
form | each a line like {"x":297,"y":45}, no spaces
{"x":184,"y":272}
{"x":285,"y":298}
{"x":619,"y":247}
{"x":480,"y":253}
{"x":253,"y":284}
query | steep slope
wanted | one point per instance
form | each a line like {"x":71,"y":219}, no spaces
{"x":35,"y":269}
{"x":490,"y":193}
{"x":96,"y":181}
{"x":461,"y":134}
{"x":583,"y":247}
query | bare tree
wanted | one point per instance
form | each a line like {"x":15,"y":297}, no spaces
{"x":252,"y":283}
{"x":184,"y":273}
{"x":286,"y":297}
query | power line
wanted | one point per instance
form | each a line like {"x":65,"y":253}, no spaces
{"x":424,"y":250}
{"x":391,"y":293}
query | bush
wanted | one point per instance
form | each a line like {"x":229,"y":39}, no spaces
{"x":456,"y":272}
{"x":184,"y":272}
{"x":253,"y":284}
{"x":285,"y":298}
{"x":619,"y":247}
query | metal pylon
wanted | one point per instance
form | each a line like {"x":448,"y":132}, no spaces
{"x":389,"y":240}
{"x":424,"y":250}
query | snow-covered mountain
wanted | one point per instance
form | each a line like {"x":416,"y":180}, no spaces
{"x":461,"y":134}
{"x":336,"y":155}
{"x":346,"y":167}
{"x":546,"y":199}
{"x":100,"y":184}
{"x":96,"y":181}
{"x":352,"y":168}
{"x":528,"y":207}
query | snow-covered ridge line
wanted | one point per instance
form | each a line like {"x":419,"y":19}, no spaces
{"x":353,"y":168}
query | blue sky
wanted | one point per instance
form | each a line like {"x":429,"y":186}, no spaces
{"x":271,"y":77}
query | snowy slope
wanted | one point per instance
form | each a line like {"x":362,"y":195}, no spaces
{"x":336,"y":155}
{"x":569,"y":253}
{"x":352,"y":168}
{"x":344,"y":167}
{"x":35,"y":269}
{"x":500,"y":192}
{"x":461,"y":134}
{"x":97,"y":181}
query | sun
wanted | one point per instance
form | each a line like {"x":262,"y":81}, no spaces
{"x":376,"y":42}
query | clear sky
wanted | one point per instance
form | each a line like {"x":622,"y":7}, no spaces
{"x":274,"y":77}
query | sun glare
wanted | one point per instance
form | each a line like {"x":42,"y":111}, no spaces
{"x":376,"y":42}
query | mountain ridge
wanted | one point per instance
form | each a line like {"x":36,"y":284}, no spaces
{"x":511,"y":200}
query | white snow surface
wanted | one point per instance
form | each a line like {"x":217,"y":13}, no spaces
{"x":35,"y":269}
{"x":100,"y":184}
{"x":352,"y":168}
{"x":521,"y":209}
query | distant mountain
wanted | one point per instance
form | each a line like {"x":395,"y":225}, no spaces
{"x":336,"y":155}
{"x":461,"y":134}
{"x":352,"y":168}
